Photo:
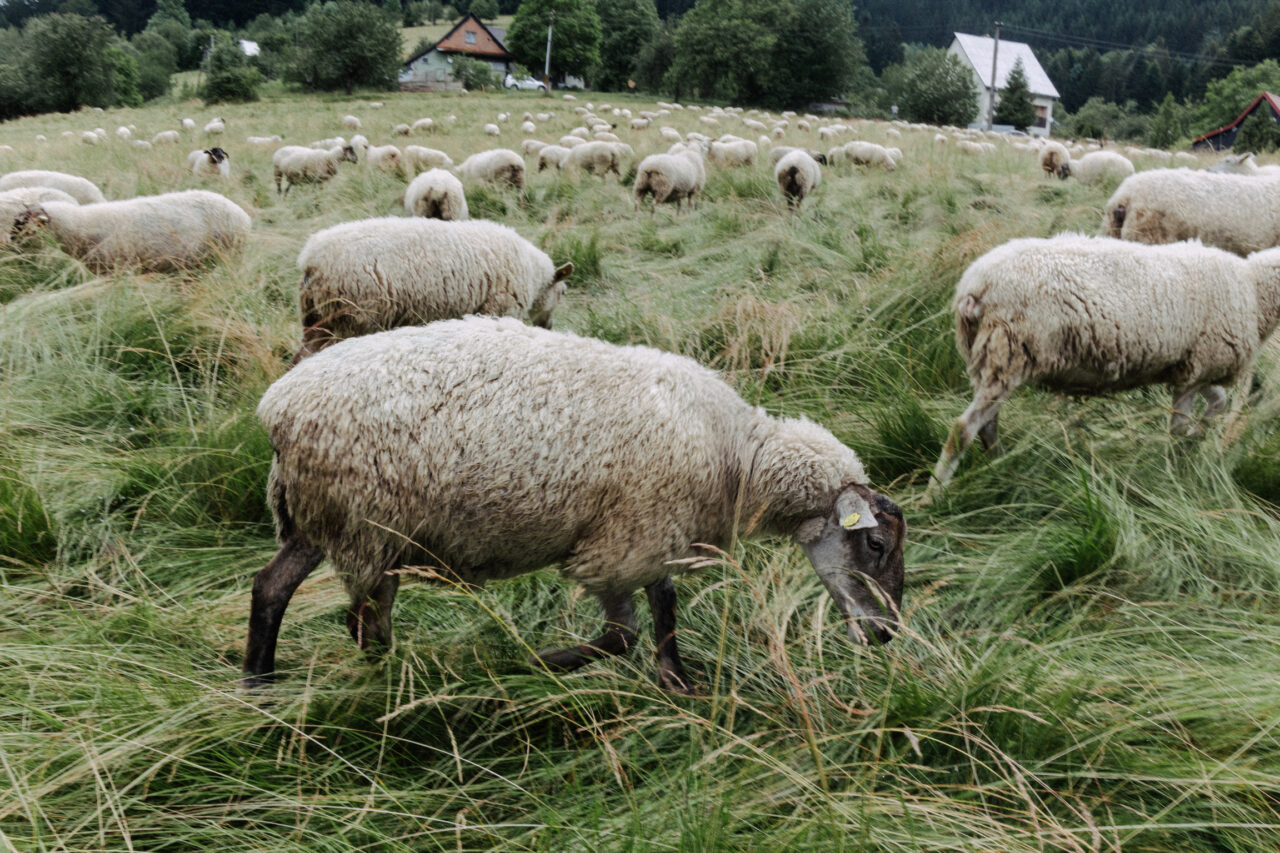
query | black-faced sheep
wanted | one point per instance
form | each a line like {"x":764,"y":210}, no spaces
{"x":212,"y":162}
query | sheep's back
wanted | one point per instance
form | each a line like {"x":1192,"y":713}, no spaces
{"x":1239,"y":213}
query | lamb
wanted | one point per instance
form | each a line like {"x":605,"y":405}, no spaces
{"x":1090,"y":315}
{"x":552,"y":156}
{"x":1239,"y":213}
{"x":676,"y":176}
{"x":374,"y":274}
{"x":1055,"y":159}
{"x":596,"y":158}
{"x":81,"y":189}
{"x":385,"y":157}
{"x":733,"y":153}
{"x":418,"y":157}
{"x":436,"y":194}
{"x":370,"y":472}
{"x":797,"y":175}
{"x":497,"y":166}
{"x":213,"y":162}
{"x":160,"y":233}
{"x":1098,"y":165}
{"x":294,"y":164}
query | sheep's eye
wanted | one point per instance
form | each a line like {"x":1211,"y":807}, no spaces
{"x":875,"y":544}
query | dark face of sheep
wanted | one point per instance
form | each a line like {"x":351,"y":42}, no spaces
{"x":1064,"y":171}
{"x":541,"y":310}
{"x":857,"y":552}
{"x":216,"y":155}
{"x":348,"y":154}
{"x":27,"y":222}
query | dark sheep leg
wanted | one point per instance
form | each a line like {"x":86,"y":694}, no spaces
{"x":272,"y":588}
{"x":618,"y":638}
{"x":369,"y":621}
{"x":662,"y":603}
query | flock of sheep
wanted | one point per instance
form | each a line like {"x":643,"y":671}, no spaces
{"x":432,"y":418}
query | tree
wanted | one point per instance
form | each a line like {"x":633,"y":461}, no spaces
{"x":344,"y":44}
{"x":938,"y":88}
{"x":170,"y":10}
{"x":1015,"y":105}
{"x":575,"y":38}
{"x":231,"y":77}
{"x":485,"y":10}
{"x":1259,"y":132}
{"x":157,"y":60}
{"x":1169,"y":124}
{"x":724,"y":48}
{"x":67,"y":61}
{"x":124,"y":75}
{"x":1226,"y":98}
{"x":818,"y":55}
{"x":627,"y":25}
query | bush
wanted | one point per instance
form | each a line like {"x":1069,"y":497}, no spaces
{"x":1258,"y":133}
{"x":344,"y":44}
{"x":938,"y":88}
{"x":231,"y":78}
{"x":474,"y":73}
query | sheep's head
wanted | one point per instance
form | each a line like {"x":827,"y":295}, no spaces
{"x":348,"y":154}
{"x":857,"y":552}
{"x":1064,"y":170}
{"x":216,"y":155}
{"x":27,"y":222}
{"x":547,"y":300}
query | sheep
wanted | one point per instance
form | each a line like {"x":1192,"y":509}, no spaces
{"x":492,"y":129}
{"x":531,"y":146}
{"x":676,"y":176}
{"x":215,"y":127}
{"x":159,"y":233}
{"x":264,"y":140}
{"x":329,"y":142}
{"x":213,"y":162}
{"x":640,"y":123}
{"x":670,"y":135}
{"x":1090,"y":315}
{"x":15,"y":201}
{"x":369,"y":471}
{"x":89,"y":138}
{"x":188,"y":124}
{"x":552,"y":156}
{"x":350,"y":122}
{"x":385,"y":157}
{"x":401,"y":130}
{"x":1097,"y":165}
{"x":968,"y":146}
{"x":141,"y":144}
{"x":436,"y":194}
{"x":868,"y":154}
{"x":732,"y":153}
{"x":123,"y":133}
{"x":81,"y":189}
{"x":528,"y":128}
{"x":596,"y":158}
{"x":375,"y":274}
{"x":1055,"y":159}
{"x":417,"y":157}
{"x":423,"y":125}
{"x":497,"y":166}
{"x":297,"y":165}
{"x":166,"y":137}
{"x":1239,"y":213}
{"x":797,"y":175}
{"x":776,"y":154}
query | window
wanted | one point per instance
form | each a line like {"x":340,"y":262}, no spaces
{"x":470,"y":37}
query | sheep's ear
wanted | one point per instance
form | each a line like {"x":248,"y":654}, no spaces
{"x":563,"y":272}
{"x":854,"y":512}
{"x":809,"y":531}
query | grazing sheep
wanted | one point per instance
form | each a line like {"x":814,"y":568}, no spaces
{"x":188,"y":124}
{"x":528,"y":128}
{"x":496,"y":166}
{"x":670,"y":135}
{"x":264,"y":140}
{"x":596,"y":158}
{"x":1089,"y":315}
{"x":552,"y":156}
{"x":416,"y":157}
{"x":492,"y":129}
{"x":359,"y":142}
{"x":159,"y":233}
{"x":375,"y":274}
{"x":401,"y":130}
{"x":968,"y":146}
{"x":862,"y":153}
{"x":423,"y":125}
{"x":81,"y":189}
{"x":330,"y":142}
{"x":1239,"y":213}
{"x":571,"y":141}
{"x":141,"y":144}
{"x":15,"y":201}
{"x":385,"y":157}
{"x":531,"y":146}
{"x":776,"y":154}
{"x":436,"y":194}
{"x":1055,"y":159}
{"x":215,"y":127}
{"x":797,"y":175}
{"x":370,"y":471}
{"x":1097,"y":165}
{"x":733,"y":153}
{"x":294,"y":164}
{"x":90,"y":138}
{"x":212,"y":162}
{"x":640,"y":123}
{"x":123,"y":133}
{"x":350,"y":122}
{"x":672,"y":177}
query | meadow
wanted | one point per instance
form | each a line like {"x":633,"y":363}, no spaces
{"x":1092,"y":617}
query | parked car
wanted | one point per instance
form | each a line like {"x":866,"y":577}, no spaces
{"x":524,"y":83}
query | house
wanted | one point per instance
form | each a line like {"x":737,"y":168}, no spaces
{"x":1225,"y":136}
{"x":976,"y":52}
{"x":431,"y":69}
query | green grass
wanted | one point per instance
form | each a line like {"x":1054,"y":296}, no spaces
{"x":1092,"y":615}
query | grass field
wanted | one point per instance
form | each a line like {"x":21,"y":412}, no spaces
{"x":1093,"y":617}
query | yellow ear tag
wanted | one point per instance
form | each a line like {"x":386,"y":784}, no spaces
{"x":850,"y":520}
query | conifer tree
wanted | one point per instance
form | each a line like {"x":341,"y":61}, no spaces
{"x":1015,"y":106}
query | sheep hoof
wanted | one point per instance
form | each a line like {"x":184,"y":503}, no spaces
{"x":677,"y":682}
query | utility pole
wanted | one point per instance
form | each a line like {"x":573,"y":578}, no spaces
{"x":991,"y":96}
{"x":546,"y":69}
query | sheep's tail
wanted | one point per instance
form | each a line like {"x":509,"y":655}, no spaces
{"x":968,"y":318}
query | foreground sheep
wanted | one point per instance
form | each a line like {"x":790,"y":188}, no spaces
{"x":212,"y":162}
{"x":1239,"y":213}
{"x":160,"y":233}
{"x":1089,"y":315}
{"x":436,"y":194}
{"x":442,"y":446}
{"x":293,"y":164}
{"x":374,"y":274}
{"x":797,"y":175}
{"x":497,"y":166}
{"x":81,"y":189}
{"x":674,"y":177}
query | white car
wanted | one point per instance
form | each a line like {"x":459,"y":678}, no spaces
{"x":525,"y":83}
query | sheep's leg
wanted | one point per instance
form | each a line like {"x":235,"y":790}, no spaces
{"x":662,"y":603}
{"x":618,"y":637}
{"x":986,"y":404}
{"x":272,"y":589}
{"x":987,"y":435}
{"x":1180,"y":417}
{"x":369,"y":621}
{"x":1215,"y":398}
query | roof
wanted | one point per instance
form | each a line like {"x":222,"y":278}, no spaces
{"x":978,"y":49}
{"x":249,"y":48}
{"x":445,"y":45}
{"x":1271,"y":100}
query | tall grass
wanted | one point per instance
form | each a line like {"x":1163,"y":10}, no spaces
{"x":1092,"y":624}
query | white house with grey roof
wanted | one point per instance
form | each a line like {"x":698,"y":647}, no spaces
{"x":976,"y":52}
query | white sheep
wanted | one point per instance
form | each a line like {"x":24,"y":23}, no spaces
{"x":166,"y":137}
{"x":423,"y":125}
{"x":797,"y":175}
{"x":529,"y":147}
{"x":862,"y":153}
{"x":141,"y":144}
{"x":596,"y":158}
{"x":528,"y":128}
{"x":1099,"y":165}
{"x":733,"y":153}
{"x":160,"y":233}
{"x":670,"y":135}
{"x":15,"y":201}
{"x":359,"y":142}
{"x":1055,"y":159}
{"x":496,"y":166}
{"x":431,"y":447}
{"x":492,"y":129}
{"x":215,"y":127}
{"x":123,"y":133}
{"x":385,"y":157}
{"x":401,"y":130}
{"x":436,"y":194}
{"x":673,"y":177}
{"x":90,"y":138}
{"x":294,"y":164}
{"x":1090,"y":315}
{"x":552,"y":156}
{"x":1239,"y":213}
{"x":417,"y":157}
{"x":570,"y":141}
{"x":188,"y":124}
{"x":81,"y":189}
{"x":329,"y":142}
{"x":374,"y":274}
{"x":350,"y":122}
{"x":212,"y":162}
{"x":776,"y":154}
{"x":264,"y":140}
